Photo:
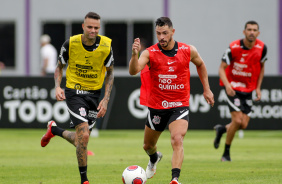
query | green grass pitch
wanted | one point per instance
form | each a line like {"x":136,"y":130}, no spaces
{"x":256,"y":158}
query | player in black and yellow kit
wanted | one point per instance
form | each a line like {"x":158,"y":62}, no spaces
{"x":89,"y":57}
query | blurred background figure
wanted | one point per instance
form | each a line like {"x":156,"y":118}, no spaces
{"x":2,"y":66}
{"x":48,"y":56}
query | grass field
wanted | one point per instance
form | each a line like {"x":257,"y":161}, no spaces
{"x":256,"y":159}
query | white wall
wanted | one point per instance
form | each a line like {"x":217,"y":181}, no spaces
{"x":211,"y":25}
{"x":208,"y":25}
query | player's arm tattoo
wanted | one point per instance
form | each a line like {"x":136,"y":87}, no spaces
{"x":58,"y":74}
{"x":109,"y":81}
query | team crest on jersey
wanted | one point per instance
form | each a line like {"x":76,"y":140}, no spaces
{"x":237,"y":102}
{"x":82,"y":111}
{"x":157,"y":120}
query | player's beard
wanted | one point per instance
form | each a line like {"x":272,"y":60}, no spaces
{"x":167,"y":43}
{"x":91,"y":38}
{"x":251,"y":38}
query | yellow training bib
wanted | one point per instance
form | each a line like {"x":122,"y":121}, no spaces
{"x":86,"y":70}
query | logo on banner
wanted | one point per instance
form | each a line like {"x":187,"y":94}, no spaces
{"x":134,"y":107}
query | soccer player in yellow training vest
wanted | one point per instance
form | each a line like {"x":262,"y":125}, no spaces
{"x":89,"y":57}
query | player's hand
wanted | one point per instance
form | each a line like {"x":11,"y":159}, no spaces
{"x":136,"y":46}
{"x":60,"y":94}
{"x":258,"y":95}
{"x":102,"y":108}
{"x":230,"y":91}
{"x":208,"y":95}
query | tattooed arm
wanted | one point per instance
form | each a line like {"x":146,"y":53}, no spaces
{"x":109,"y":81}
{"x":60,"y":94}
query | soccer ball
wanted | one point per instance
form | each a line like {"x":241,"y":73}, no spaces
{"x":134,"y":174}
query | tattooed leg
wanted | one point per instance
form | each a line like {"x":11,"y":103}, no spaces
{"x":70,"y":137}
{"x":81,"y":139}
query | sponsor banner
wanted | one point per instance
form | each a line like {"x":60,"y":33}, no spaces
{"x":29,"y":102}
{"x":127,"y":113}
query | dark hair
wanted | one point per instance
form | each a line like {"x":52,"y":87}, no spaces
{"x":162,"y":21}
{"x":252,"y":22}
{"x":92,"y":15}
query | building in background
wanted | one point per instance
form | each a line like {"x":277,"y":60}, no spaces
{"x":211,"y":23}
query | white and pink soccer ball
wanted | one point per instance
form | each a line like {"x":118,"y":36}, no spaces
{"x":134,"y":174}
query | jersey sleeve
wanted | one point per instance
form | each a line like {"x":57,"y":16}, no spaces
{"x":264,"y":54}
{"x":109,"y":61}
{"x":64,"y":53}
{"x":227,"y":56}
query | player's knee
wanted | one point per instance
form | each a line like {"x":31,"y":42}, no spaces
{"x":177,"y":140}
{"x":243,"y":126}
{"x":85,"y":137}
{"x":237,"y":121}
{"x":147,"y":147}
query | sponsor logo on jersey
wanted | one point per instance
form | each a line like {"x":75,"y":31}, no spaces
{"x":104,"y":45}
{"x":84,"y":67}
{"x":170,"y":62}
{"x":82,"y":92}
{"x":75,"y":41}
{"x":165,"y":82}
{"x":238,"y":84}
{"x":183,"y":47}
{"x":239,"y":66}
{"x":171,"y":86}
{"x":156,"y":120}
{"x":235,"y":46}
{"x":78,"y":86}
{"x":83,"y":73}
{"x":167,"y":104}
{"x":167,"y":76}
{"x":258,"y":46}
{"x":92,"y":114}
{"x":241,"y":73}
{"x":154,"y":50}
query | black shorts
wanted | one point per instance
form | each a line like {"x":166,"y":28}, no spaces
{"x":240,"y":102}
{"x":82,"y":106}
{"x":158,"y":119}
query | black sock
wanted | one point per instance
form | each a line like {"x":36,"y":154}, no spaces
{"x":57,"y":131}
{"x":83,"y":174}
{"x":175,"y":172}
{"x":226,"y":150}
{"x":222,"y":130}
{"x":154,"y":157}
